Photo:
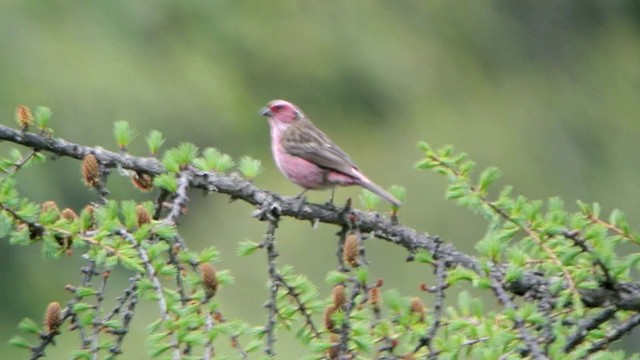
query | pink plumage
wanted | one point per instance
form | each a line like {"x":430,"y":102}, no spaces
{"x":306,"y":155}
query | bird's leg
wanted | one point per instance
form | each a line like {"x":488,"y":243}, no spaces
{"x":299,"y":196}
{"x":333,"y":193}
{"x":302,"y":199}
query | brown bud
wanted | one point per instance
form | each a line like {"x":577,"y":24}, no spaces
{"x":144,"y":182}
{"x":209,"y":279}
{"x":90,"y":170}
{"x":68,"y":214}
{"x":90,"y":210}
{"x":374,"y":297}
{"x":24,"y":118}
{"x":393,"y":343}
{"x":47,"y":205}
{"x":175,"y":249}
{"x":328,"y":322}
{"x":351,"y":250}
{"x":332,"y":352}
{"x":52,"y":317}
{"x":418,"y":308}
{"x":339,"y":296}
{"x":143,"y":215}
{"x":217,"y":316}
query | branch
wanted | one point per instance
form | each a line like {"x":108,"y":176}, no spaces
{"x":272,"y":306}
{"x":583,"y":328}
{"x":612,"y":336}
{"x":157,"y":287}
{"x":438,"y":305}
{"x":533,"y":348}
{"x":624,"y":296}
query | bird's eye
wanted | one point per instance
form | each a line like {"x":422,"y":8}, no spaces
{"x":277,"y":107}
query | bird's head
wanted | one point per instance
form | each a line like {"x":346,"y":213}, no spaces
{"x":281,"y":111}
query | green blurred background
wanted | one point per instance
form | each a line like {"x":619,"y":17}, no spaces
{"x":548,"y":91}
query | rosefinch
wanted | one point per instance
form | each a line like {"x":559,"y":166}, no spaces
{"x":307,"y":157}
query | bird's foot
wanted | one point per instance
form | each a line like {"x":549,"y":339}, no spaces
{"x":330,"y":202}
{"x":302,"y":193}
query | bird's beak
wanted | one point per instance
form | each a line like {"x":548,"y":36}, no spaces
{"x":265,"y":111}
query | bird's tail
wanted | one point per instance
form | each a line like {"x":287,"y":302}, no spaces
{"x":376,"y":189}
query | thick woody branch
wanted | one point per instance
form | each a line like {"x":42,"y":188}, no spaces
{"x":623,"y":295}
{"x":64,"y":148}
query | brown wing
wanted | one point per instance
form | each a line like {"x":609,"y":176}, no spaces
{"x":304,"y":140}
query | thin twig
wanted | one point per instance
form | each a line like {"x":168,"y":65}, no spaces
{"x":614,"y":335}
{"x":17,"y":166}
{"x":583,"y":328}
{"x":156,"y":285}
{"x":274,"y":282}
{"x":97,"y":325}
{"x":438,"y":305}
{"x":208,"y":346}
{"x":519,"y":324}
{"x":179,"y":203}
{"x":131,"y":297}
{"x":582,"y":244}
{"x":355,"y":288}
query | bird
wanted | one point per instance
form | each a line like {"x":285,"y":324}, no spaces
{"x":308,"y":157}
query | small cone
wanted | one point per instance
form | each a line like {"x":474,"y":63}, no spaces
{"x":209,"y":279}
{"x":328,"y":322}
{"x":374,"y":296}
{"x":52,"y":317}
{"x":68,"y":214}
{"x":48,"y":205}
{"x":144,"y":182}
{"x":418,"y":308}
{"x":351,"y":250}
{"x":143,"y":215}
{"x":339,"y":296}
{"x":90,"y":170}
{"x":24,"y":117}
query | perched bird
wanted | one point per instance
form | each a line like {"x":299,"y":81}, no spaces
{"x":306,"y":155}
